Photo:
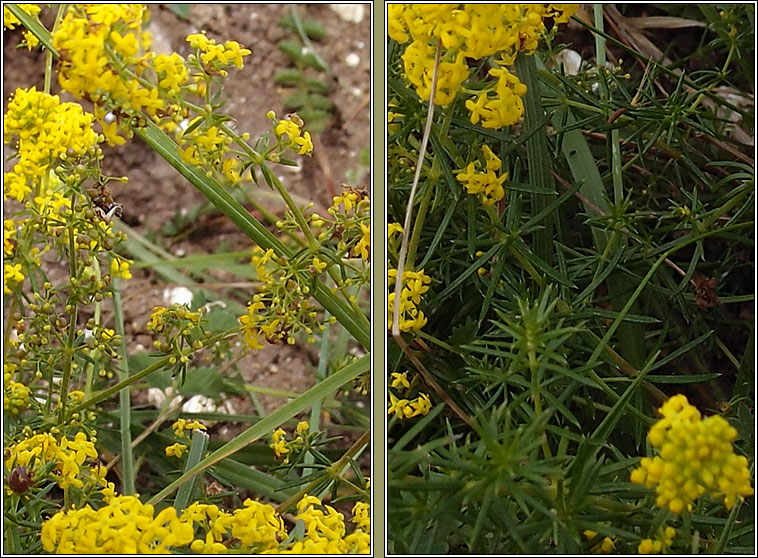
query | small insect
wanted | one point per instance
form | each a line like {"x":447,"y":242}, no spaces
{"x":107,"y":216}
{"x":102,"y":199}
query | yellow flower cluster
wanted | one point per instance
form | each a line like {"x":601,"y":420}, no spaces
{"x":216,"y":57}
{"x":120,"y":268}
{"x":12,"y":277}
{"x":10,"y":21}
{"x":210,"y":145}
{"x":415,"y":284}
{"x":123,"y":526}
{"x":127,"y":526}
{"x":178,"y":316}
{"x":606,"y":546}
{"x":354,"y":228}
{"x":94,"y":39}
{"x":471,"y":31}
{"x":181,"y":427}
{"x":252,"y":326}
{"x":503,"y":108}
{"x":488,"y":185}
{"x":325,"y":530}
{"x":282,"y":306}
{"x":177,"y":328}
{"x":15,"y":395}
{"x":405,"y":408}
{"x":72,"y":458}
{"x":47,"y":131}
{"x":283,"y":447}
{"x":659,"y":544}
{"x":289,"y":133}
{"x":256,"y":526}
{"x":696,"y":458}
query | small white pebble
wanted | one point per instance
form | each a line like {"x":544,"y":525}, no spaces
{"x":156,"y":397}
{"x":571,"y":61}
{"x":352,"y":60}
{"x":357,"y":91}
{"x":352,"y":13}
{"x":177,"y":295}
{"x":199,"y":404}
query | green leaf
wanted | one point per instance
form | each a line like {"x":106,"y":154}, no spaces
{"x":181,"y":11}
{"x":313,"y":29}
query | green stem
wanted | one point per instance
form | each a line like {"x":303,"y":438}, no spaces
{"x":418,"y":225}
{"x":91,"y":365}
{"x":68,"y":351}
{"x":49,"y":56}
{"x":127,"y":462}
{"x":275,"y":183}
{"x":33,"y":25}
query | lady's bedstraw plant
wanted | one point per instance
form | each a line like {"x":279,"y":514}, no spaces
{"x":59,"y":494}
{"x":497,"y":32}
{"x":543,"y":234}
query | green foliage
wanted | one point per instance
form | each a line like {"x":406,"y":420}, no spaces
{"x":560,"y":320}
{"x":310,"y":98}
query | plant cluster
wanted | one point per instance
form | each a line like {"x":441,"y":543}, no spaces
{"x":65,"y":353}
{"x":581,"y":236}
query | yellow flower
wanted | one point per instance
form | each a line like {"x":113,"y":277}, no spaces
{"x":120,"y":268}
{"x":15,"y":396}
{"x":400,"y":380}
{"x":279,"y":444}
{"x":10,"y":21}
{"x":123,"y":526}
{"x":487,"y":184}
{"x":249,"y":325}
{"x":176,"y":450}
{"x":305,"y":146}
{"x":662,"y":542}
{"x":348,"y":199}
{"x":362,"y":249}
{"x":415,"y":284}
{"x":606,"y":546}
{"x":287,"y":127}
{"x":12,"y":277}
{"x":318,"y":265}
{"x":696,"y":457}
{"x":398,"y":406}
{"x":393,"y":228}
